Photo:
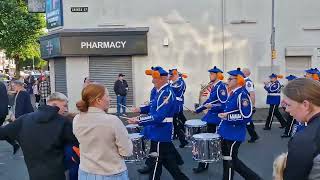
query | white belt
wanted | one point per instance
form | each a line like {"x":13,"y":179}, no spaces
{"x":274,"y":94}
{"x":179,"y":98}
{"x":169,"y":119}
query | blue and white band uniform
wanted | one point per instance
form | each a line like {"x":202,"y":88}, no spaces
{"x":239,"y":109}
{"x":179,"y":88}
{"x":273,"y":89}
{"x":249,"y":87}
{"x":218,"y":97}
{"x":145,"y":109}
{"x":160,"y":115}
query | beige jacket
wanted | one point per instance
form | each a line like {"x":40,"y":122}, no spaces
{"x":104,"y":141}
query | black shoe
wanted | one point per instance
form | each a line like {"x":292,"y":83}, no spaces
{"x":253,"y":140}
{"x":281,"y":127}
{"x":199,"y":169}
{"x":183,"y":143}
{"x":16,"y":147}
{"x":145,"y":170}
{"x":266,"y":128}
{"x":285,"y":136}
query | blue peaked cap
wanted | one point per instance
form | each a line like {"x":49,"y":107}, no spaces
{"x":215,"y":70}
{"x":273,"y":75}
{"x":291,"y":77}
{"x":160,"y":70}
{"x":312,"y":71}
{"x":236,"y":72}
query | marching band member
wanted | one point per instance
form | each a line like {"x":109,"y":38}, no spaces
{"x":249,"y":87}
{"x":144,"y":109}
{"x":312,"y":73}
{"x":238,"y":109}
{"x":215,"y":104}
{"x":179,"y":88}
{"x":290,"y":120}
{"x":159,"y":120}
{"x":273,"y":99}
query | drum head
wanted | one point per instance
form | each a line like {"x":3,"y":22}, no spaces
{"x":195,"y":123}
{"x":206,"y":136}
{"x":135,"y":136}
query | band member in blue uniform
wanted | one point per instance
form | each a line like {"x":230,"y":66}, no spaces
{"x":249,"y":87}
{"x":312,"y":73}
{"x":290,"y":120}
{"x":273,"y":99}
{"x":238,"y":110}
{"x":144,"y":109}
{"x":179,"y":88}
{"x":215,"y":105}
{"x":160,"y":122}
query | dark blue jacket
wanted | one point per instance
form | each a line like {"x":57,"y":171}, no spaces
{"x":23,"y":104}
{"x":179,"y":88}
{"x":160,"y":116}
{"x":217,"y":104}
{"x":4,"y":101}
{"x":233,"y":127}
{"x":273,"y":89}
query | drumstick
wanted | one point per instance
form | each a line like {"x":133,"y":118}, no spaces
{"x":126,"y":107}
{"x":232,"y":111}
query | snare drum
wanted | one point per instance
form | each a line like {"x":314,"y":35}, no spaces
{"x":206,"y":147}
{"x":139,"y":150}
{"x":133,"y":128}
{"x":194,"y":126}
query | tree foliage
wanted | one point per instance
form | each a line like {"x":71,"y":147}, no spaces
{"x":20,"y":30}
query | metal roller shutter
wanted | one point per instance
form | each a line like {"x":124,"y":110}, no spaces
{"x":296,"y":65}
{"x":60,"y":75}
{"x":105,"y":70}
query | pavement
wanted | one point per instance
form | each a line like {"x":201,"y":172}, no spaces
{"x":258,"y":156}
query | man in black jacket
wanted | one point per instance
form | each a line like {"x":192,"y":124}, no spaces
{"x":121,"y":89}
{"x":42,"y":136}
{"x":4,"y":112}
{"x":22,"y":103}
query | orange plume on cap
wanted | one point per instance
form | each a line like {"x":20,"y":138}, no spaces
{"x":220,"y":76}
{"x":155,"y":74}
{"x":241,"y":80}
{"x":315,"y":77}
{"x":184,"y":76}
{"x":174,"y":72}
{"x":149,"y":72}
{"x":280,"y":76}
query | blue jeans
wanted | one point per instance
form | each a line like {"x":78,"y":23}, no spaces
{"x":121,"y":100}
{"x":88,"y":176}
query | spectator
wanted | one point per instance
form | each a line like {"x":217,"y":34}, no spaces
{"x":302,"y":102}
{"x":22,"y":103}
{"x":4,"y":112}
{"x":42,"y":136}
{"x":103,"y":138}
{"x":44,"y":90}
{"x":36,"y":93}
{"x":121,"y":89}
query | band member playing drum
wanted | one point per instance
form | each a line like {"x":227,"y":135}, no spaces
{"x":159,"y":120}
{"x":179,"y":88}
{"x":238,"y":111}
{"x":215,"y":105}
